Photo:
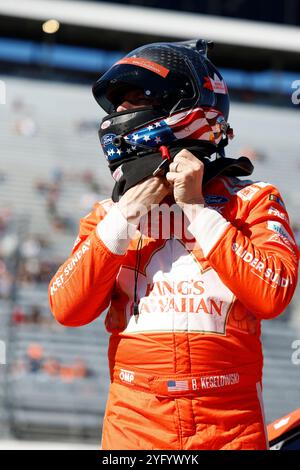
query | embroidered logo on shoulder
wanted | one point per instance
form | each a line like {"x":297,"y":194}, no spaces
{"x":279,"y":229}
{"x":247,"y":193}
{"x":244,"y":189}
{"x":215,"y":199}
{"x":275,"y":198}
{"x":261,"y":184}
{"x":277,"y":213}
{"x":281,"y":240}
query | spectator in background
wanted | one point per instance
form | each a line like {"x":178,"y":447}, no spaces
{"x":35,"y":316}
{"x":26,"y":126}
{"x":18,"y":368}
{"x":6,"y":281}
{"x":35,"y":357}
{"x":18,"y":316}
{"x":51,"y":367}
{"x":6,"y":217}
{"x":31,"y":247}
{"x":57,"y":176}
{"x":81,"y":371}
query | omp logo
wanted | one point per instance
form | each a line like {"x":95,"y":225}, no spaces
{"x":126,"y":376}
{"x":2,"y":92}
{"x":296,"y":94}
{"x":2,"y":352}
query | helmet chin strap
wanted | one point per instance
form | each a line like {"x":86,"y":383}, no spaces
{"x":137,"y":169}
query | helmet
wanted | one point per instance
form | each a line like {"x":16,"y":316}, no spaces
{"x":190,"y":101}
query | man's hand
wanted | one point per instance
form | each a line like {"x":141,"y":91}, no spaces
{"x":137,"y":201}
{"x":186,"y":175}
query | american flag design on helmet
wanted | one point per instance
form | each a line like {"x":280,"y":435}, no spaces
{"x":203,"y":124}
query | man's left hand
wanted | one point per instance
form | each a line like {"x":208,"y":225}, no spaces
{"x":186,"y":175}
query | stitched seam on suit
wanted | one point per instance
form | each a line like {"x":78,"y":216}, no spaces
{"x":179,"y":426}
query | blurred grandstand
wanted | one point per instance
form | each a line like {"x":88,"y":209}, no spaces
{"x":55,"y":382}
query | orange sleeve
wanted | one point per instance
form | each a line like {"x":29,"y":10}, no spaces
{"x":82,"y":287}
{"x":258,"y":261}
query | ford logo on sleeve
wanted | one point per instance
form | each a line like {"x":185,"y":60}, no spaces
{"x":215,"y":199}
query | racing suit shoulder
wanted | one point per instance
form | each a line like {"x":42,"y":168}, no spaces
{"x":256,"y":258}
{"x":82,"y":287}
{"x":88,"y":223}
{"x":244,"y":188}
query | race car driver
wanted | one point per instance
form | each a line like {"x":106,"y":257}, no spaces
{"x":186,"y":258}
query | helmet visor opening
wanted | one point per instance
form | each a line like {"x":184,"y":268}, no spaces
{"x":163,"y":91}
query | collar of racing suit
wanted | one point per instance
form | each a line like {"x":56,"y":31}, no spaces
{"x":137,"y":169}
{"x":133,"y":171}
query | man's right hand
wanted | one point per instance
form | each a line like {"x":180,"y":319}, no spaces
{"x":137,"y":201}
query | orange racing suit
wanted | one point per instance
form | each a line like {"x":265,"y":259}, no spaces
{"x":186,"y":371}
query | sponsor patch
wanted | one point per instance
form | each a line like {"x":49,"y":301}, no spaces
{"x":215,"y":199}
{"x":275,"y":198}
{"x":276,"y":238}
{"x":216,"y":84}
{"x":279,"y":228}
{"x":259,"y":267}
{"x":197,"y":302}
{"x":146,"y":64}
{"x":277,"y":213}
{"x":246,"y":194}
{"x":126,"y":376}
{"x":69,"y":268}
{"x":107,"y":139}
{"x":105,"y":124}
{"x":177,"y":385}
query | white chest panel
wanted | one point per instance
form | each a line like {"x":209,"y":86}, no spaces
{"x":175,"y":296}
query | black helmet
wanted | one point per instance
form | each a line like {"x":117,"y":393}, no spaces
{"x":190,"y":99}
